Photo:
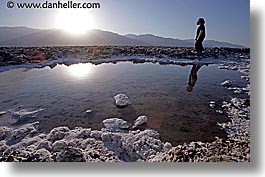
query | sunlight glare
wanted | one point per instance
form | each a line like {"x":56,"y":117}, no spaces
{"x":80,"y":70}
{"x":76,"y":22}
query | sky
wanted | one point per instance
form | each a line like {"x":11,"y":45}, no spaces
{"x":226,"y":20}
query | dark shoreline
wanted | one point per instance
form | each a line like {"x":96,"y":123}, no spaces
{"x":30,"y":55}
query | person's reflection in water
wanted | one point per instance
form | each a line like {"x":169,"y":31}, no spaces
{"x":193,"y":77}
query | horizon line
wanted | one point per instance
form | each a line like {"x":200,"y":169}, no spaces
{"x":141,"y":34}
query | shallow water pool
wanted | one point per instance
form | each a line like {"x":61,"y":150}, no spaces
{"x":175,"y":98}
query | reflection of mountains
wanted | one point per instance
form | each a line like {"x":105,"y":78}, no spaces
{"x":22,"y":36}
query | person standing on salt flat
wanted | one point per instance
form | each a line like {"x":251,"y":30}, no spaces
{"x":200,"y":35}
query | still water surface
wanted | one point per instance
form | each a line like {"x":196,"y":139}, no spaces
{"x":175,"y":98}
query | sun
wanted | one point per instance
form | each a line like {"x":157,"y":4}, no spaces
{"x":75,"y":21}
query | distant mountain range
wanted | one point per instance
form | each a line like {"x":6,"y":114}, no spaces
{"x":23,"y":36}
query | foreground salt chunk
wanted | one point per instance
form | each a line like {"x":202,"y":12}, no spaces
{"x":226,"y":83}
{"x":140,"y":121}
{"x":115,"y":123}
{"x":121,"y":100}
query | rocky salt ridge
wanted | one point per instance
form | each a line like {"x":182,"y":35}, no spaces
{"x":114,"y":143}
{"x":38,"y":57}
{"x":61,"y":144}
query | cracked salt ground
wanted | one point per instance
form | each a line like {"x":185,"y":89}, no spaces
{"x":63,"y":144}
{"x":111,"y":144}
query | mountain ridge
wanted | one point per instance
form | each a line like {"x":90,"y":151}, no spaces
{"x":24,"y":36}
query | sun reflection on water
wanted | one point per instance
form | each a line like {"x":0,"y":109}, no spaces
{"x":80,"y":70}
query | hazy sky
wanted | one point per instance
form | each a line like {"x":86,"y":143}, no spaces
{"x":226,"y":20}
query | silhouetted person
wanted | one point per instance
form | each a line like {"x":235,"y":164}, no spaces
{"x":193,"y":77}
{"x":200,"y":35}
